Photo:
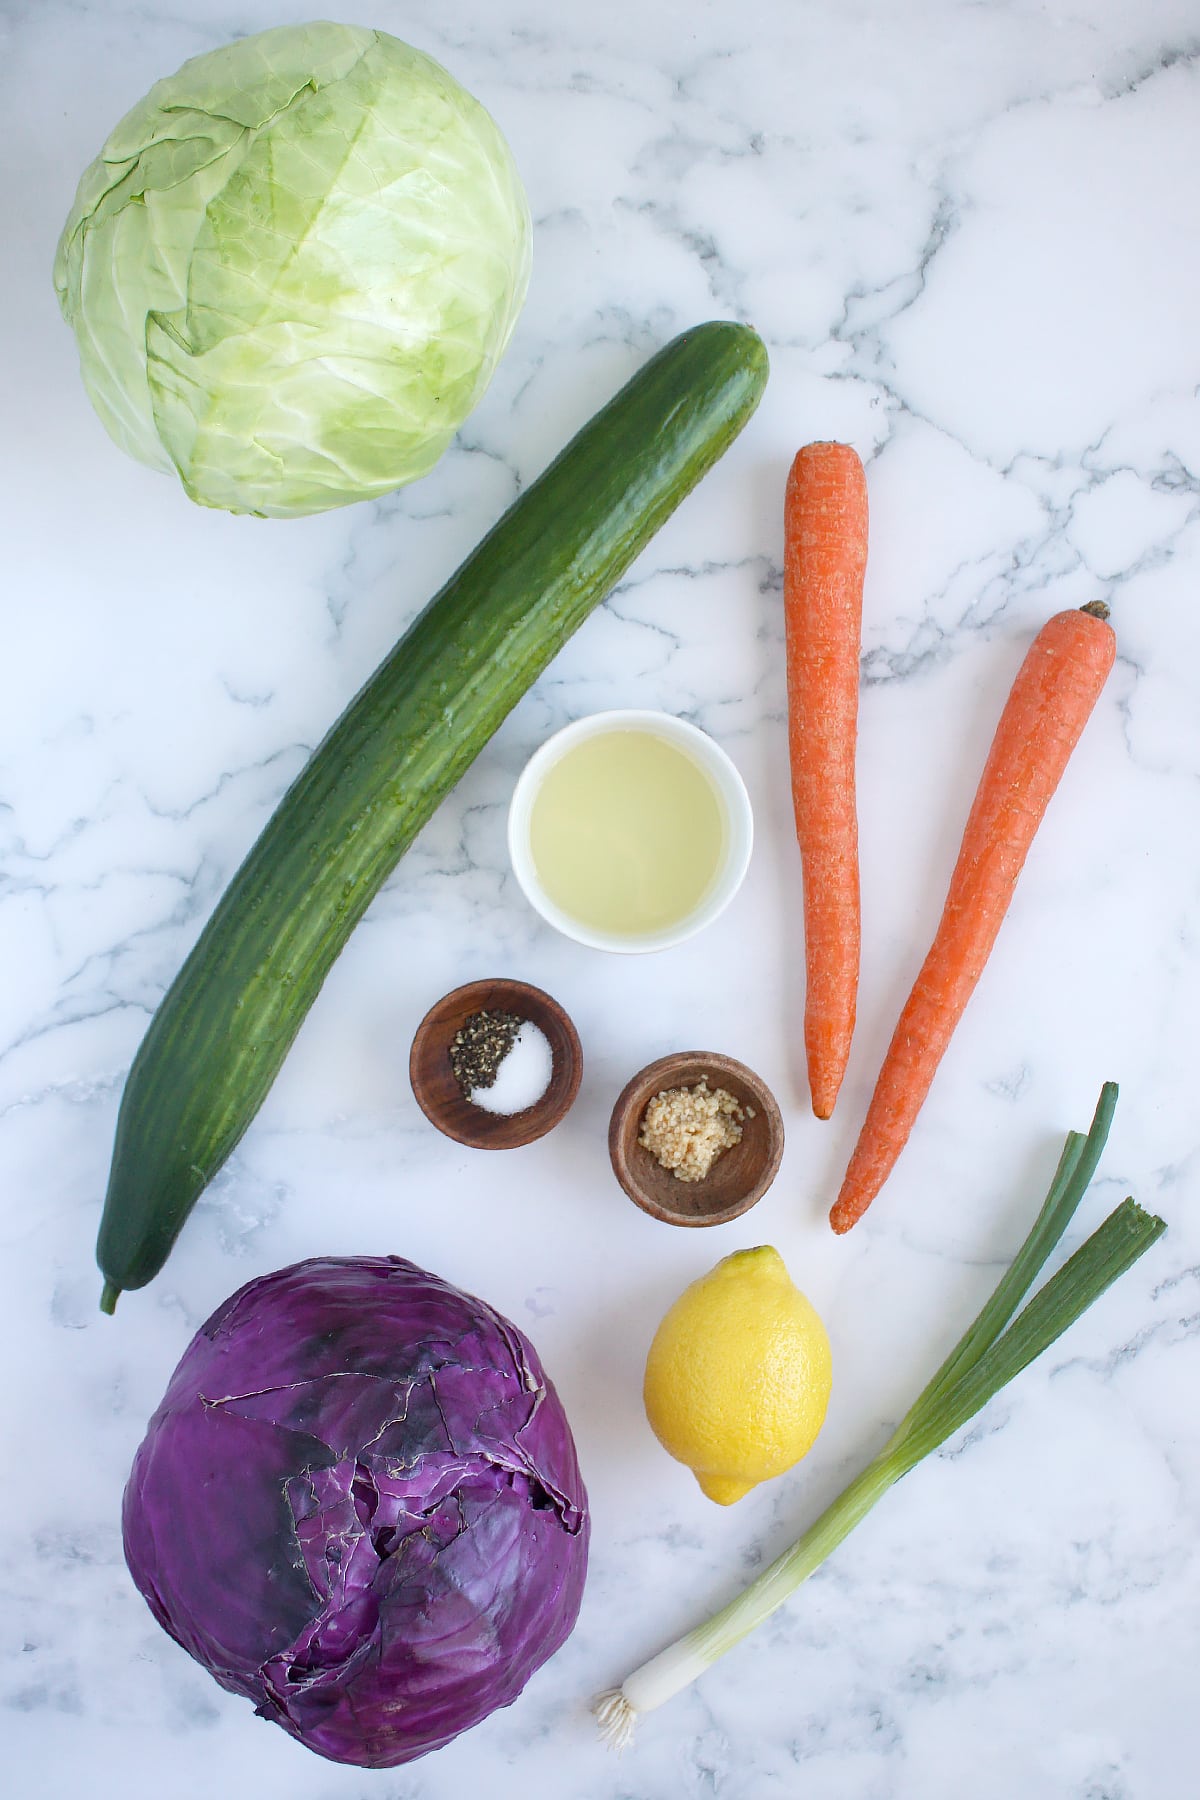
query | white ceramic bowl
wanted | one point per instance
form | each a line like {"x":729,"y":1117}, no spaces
{"x":731,"y":794}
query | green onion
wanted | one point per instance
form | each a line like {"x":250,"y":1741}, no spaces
{"x":991,"y":1351}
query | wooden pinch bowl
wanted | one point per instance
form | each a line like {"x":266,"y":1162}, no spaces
{"x":436,"y":1087}
{"x":739,"y":1177}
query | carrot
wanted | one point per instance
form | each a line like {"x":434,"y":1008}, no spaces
{"x":825,"y":555}
{"x":1056,"y":688}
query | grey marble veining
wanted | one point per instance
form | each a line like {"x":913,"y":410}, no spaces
{"x":970,"y":237}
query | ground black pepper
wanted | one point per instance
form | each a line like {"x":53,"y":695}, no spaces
{"x":480,"y":1046}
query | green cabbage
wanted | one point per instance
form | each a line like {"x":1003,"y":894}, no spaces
{"x":293,"y":267}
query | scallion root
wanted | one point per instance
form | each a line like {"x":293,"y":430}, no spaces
{"x":615,"y":1717}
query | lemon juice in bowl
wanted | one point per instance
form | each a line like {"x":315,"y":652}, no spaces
{"x":630,"y":830}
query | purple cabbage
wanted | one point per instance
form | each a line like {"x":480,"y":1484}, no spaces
{"x":359,"y":1505}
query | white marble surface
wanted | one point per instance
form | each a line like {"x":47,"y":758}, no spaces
{"x":970,"y":236}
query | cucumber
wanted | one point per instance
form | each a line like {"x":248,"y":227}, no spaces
{"x":223,"y":1028}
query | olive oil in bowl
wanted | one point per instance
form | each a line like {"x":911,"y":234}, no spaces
{"x":630,"y":830}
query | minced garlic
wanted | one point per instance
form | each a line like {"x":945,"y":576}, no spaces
{"x":688,"y":1128}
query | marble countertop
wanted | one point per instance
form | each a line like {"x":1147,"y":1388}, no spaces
{"x":969,"y":235}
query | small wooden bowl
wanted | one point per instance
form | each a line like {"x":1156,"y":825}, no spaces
{"x":739,"y":1177}
{"x":436,"y":1087}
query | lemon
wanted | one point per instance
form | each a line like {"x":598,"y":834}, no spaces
{"x":737,"y":1379}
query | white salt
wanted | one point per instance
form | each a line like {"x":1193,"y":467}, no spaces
{"x":523,"y":1076}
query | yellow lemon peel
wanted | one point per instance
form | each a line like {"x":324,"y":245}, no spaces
{"x":738,"y":1375}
